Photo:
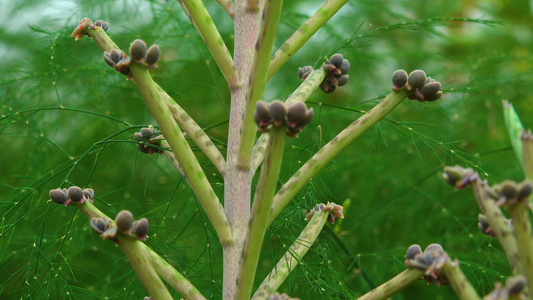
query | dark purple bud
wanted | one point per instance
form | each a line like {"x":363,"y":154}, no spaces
{"x":147,"y":132}
{"x":100,"y":225}
{"x":75,"y":194}
{"x":138,"y":137}
{"x":329,"y":67}
{"x":508,"y":189}
{"x":138,"y":51}
{"x":88,"y":194}
{"x":413,"y":251}
{"x":417,"y":79}
{"x":434,"y":248}
{"x":399,"y":79}
{"x":296,"y":113}
{"x":278,"y":112}
{"x":343,"y":79}
{"x":345,"y":66}
{"x":430,"y":88}
{"x":515,"y":285}
{"x":262,"y":115}
{"x":433,"y":97}
{"x":58,"y":196}
{"x":152,"y":56}
{"x":524,"y":190}
{"x":140,"y":228}
{"x":124,"y":221}
{"x":337,"y":60}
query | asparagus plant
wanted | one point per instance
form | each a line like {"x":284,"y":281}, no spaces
{"x":241,"y":223}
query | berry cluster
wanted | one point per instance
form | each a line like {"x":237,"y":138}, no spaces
{"x":335,"y":211}
{"x":119,"y":60}
{"x":276,"y":113}
{"x":140,"y":55}
{"x":73,"y":194}
{"x":85,"y":23}
{"x":418,"y":86}
{"x":146,"y":138}
{"x":124,"y":223}
{"x":336,"y":68}
{"x":430,"y":261}
{"x":514,"y":289}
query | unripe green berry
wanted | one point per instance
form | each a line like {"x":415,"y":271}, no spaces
{"x":138,"y":51}
{"x":417,"y":79}
{"x":124,"y":221}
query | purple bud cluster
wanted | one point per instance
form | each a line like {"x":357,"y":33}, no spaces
{"x":119,"y":60}
{"x":459,"y":177}
{"x":86,"y":23}
{"x":335,"y":211}
{"x":296,"y":116}
{"x":140,"y":55}
{"x":147,"y":138}
{"x":430,"y":261}
{"x":515,"y":288}
{"x":509,"y":193}
{"x":73,"y":194}
{"x":124,"y":223}
{"x":418,"y":86}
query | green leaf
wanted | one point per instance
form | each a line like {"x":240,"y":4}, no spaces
{"x":514,"y":128}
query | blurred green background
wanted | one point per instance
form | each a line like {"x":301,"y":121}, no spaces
{"x":68,"y":119}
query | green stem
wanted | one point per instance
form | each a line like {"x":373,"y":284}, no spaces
{"x":527,"y":154}
{"x":188,"y":162}
{"x":396,"y":284}
{"x":171,"y":275}
{"x":303,"y":34}
{"x":460,"y":283}
{"x":301,"y":94}
{"x":209,"y":33}
{"x":500,"y":226}
{"x":139,"y":261}
{"x":193,"y":130}
{"x":292,"y":257}
{"x":331,"y":149}
{"x":238,"y":180}
{"x":227,"y":5}
{"x":134,"y":250}
{"x":266,"y":188}
{"x":524,"y":238}
{"x":171,"y":157}
{"x":258,"y":78}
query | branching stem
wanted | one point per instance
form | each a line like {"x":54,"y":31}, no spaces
{"x":396,"y":284}
{"x":292,"y":257}
{"x":264,"y":194}
{"x":463,"y":288}
{"x":301,"y":94}
{"x":188,"y":162}
{"x":331,"y":149}
{"x":524,"y":238}
{"x":203,"y":22}
{"x":303,"y":34}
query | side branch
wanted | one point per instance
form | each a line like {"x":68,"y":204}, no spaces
{"x":292,"y":257}
{"x":193,"y":130}
{"x":301,"y":94}
{"x":331,"y":149}
{"x":188,"y":162}
{"x":201,"y":19}
{"x":228,"y":6}
{"x":303,"y":34}
{"x":396,"y":284}
{"x":266,"y":188}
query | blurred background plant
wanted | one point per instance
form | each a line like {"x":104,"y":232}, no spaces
{"x":68,"y":118}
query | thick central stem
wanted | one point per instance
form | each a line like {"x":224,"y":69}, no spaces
{"x":237,"y":180}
